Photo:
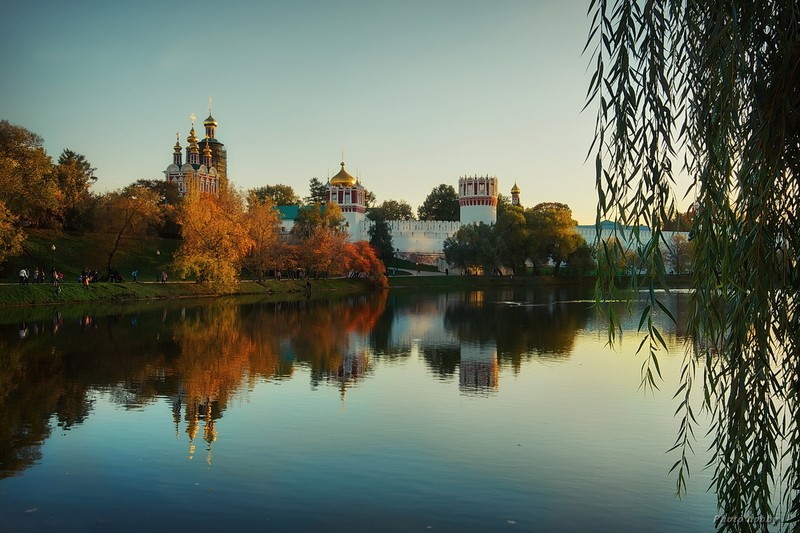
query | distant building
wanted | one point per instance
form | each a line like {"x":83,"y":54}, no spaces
{"x":203,"y":173}
{"x":425,"y":238}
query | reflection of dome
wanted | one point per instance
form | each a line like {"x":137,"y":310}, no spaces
{"x":515,"y":189}
{"x":343,"y":179}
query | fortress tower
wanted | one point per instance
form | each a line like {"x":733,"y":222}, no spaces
{"x":477,"y":197}
{"x":345,"y":190}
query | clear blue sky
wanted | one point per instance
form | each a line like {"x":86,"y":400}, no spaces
{"x":416,"y":93}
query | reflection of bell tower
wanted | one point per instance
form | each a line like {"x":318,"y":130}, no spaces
{"x":478,"y":371}
{"x":195,"y":412}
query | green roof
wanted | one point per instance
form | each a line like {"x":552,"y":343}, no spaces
{"x":288,"y":212}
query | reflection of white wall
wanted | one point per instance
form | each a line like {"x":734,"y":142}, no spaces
{"x":423,"y":321}
{"x":478,"y":370}
{"x":484,"y":353}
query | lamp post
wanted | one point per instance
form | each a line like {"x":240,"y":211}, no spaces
{"x":53,"y":270}
{"x":158,"y":265}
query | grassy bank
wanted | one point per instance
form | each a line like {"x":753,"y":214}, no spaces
{"x":42,"y":294}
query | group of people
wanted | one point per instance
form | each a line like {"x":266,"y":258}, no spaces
{"x":38,"y":276}
{"x":88,"y":276}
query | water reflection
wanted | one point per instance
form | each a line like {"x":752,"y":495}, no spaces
{"x":202,"y":357}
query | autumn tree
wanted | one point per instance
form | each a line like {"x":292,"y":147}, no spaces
{"x":215,"y":237}
{"x":29,"y":189}
{"x":679,"y":221}
{"x":279,"y":194}
{"x":362,"y":261}
{"x":322,"y":251}
{"x":263,"y":226}
{"x":679,"y":253}
{"x":282,"y":256}
{"x":130,"y":211}
{"x":440,"y":204}
{"x":11,"y":238}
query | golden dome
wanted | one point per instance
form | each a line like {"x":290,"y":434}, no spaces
{"x":177,"y":144}
{"x":343,"y":179}
{"x":515,"y":189}
{"x":192,"y":138}
{"x":210,"y":121}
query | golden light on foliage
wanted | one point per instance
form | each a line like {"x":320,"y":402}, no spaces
{"x":215,"y":237}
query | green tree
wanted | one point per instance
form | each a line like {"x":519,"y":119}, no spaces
{"x":472,"y":247}
{"x":440,"y":204}
{"x":318,"y":215}
{"x":131,"y":211}
{"x":511,"y":237}
{"x":316,"y":192}
{"x":582,"y":260}
{"x":380,"y":238}
{"x":74,"y":175}
{"x":169,"y":200}
{"x":391,"y":210}
{"x":279,"y":194}
{"x":551,"y":233}
{"x":719,"y":81}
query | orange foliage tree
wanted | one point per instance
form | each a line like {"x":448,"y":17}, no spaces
{"x":362,"y":261}
{"x":215,"y":237}
{"x":263,"y":225}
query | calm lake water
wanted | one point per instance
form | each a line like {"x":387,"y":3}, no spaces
{"x":459,"y":411}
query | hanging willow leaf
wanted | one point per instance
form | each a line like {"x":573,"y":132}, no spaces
{"x":712,"y":89}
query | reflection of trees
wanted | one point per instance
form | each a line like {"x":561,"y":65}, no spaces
{"x":443,"y":360}
{"x":332,"y":339}
{"x":199,"y":357}
{"x":525,"y":324}
{"x":33,"y":388}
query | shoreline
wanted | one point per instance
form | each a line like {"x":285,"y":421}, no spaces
{"x":13,"y":295}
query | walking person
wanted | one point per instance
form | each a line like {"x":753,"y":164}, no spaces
{"x":134,"y":275}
